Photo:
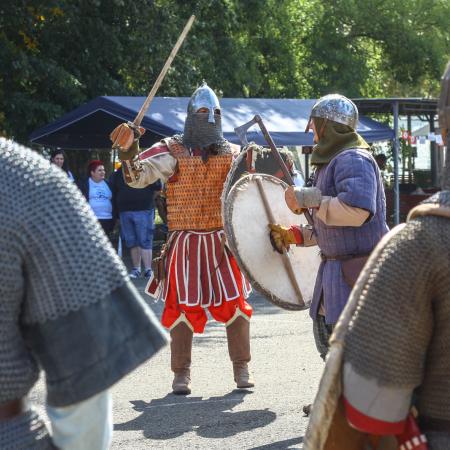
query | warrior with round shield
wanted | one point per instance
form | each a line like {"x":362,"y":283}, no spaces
{"x":197,"y":271}
{"x":348,"y":210}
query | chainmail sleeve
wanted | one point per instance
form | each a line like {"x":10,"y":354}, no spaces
{"x":395,"y":343}
{"x":68,"y":260}
{"x":71,"y":307}
{"x":393,"y":352}
{"x":391,"y":327}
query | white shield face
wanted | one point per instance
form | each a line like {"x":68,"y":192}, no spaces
{"x":246,"y":227}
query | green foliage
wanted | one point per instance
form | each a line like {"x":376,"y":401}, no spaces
{"x":58,"y":54}
{"x":379,"y":47}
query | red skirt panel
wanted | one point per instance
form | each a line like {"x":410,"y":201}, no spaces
{"x":202,"y":273}
{"x":199,"y":278}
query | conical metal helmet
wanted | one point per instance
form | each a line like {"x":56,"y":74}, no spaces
{"x":203,"y":125}
{"x":204,"y":97}
{"x":337,"y":108}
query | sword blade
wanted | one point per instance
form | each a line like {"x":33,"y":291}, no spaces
{"x":137,"y":121}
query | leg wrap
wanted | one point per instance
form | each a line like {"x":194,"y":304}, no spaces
{"x":180,"y":358}
{"x":322,"y":333}
{"x":238,"y":336}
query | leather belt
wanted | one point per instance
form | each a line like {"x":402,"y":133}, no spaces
{"x":12,"y":409}
{"x":431,"y":424}
{"x":342,"y":257}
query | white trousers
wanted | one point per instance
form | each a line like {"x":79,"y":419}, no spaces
{"x":87,"y":425}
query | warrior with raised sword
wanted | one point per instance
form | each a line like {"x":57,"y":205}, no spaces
{"x":198,"y":273}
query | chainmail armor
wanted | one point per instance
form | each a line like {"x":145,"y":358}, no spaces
{"x":414,"y":323}
{"x":198,"y":132}
{"x":438,"y":440}
{"x":25,"y":432}
{"x":223,"y":147}
{"x":47,"y":229}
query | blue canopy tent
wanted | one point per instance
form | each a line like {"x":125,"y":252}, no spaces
{"x":88,"y":126}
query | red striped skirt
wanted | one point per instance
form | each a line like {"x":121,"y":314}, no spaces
{"x":202,"y":270}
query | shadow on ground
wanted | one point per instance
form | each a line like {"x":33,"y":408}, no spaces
{"x":280,"y":445}
{"x":172,"y":416}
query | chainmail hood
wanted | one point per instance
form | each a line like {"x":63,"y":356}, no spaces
{"x":222,"y":147}
{"x":199,"y":132}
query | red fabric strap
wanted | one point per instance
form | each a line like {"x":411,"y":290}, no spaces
{"x":297,"y":234}
{"x":370,"y":425}
{"x":156,"y":150}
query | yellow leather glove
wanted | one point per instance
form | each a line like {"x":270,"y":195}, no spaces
{"x":283,"y":237}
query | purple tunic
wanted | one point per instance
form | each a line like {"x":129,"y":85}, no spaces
{"x":354,"y":178}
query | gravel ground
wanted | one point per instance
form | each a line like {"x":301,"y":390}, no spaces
{"x":286,"y":369}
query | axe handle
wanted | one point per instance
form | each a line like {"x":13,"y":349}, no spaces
{"x":274,"y":149}
{"x":286,"y":260}
{"x":137,"y":121}
{"x":279,"y":159}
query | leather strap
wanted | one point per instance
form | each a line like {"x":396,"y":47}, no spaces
{"x":12,"y":409}
{"x":341,"y":257}
{"x":249,"y":161}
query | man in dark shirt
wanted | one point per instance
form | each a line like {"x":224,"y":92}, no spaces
{"x":136,"y":211}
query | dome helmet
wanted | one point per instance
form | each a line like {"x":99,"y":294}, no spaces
{"x":337,"y":108}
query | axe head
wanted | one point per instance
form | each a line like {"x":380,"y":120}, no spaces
{"x":242,"y":130}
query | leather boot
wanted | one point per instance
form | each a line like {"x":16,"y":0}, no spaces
{"x":180,"y":358}
{"x":238,"y":335}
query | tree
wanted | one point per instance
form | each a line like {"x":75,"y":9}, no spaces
{"x":378,"y":47}
{"x":58,"y":54}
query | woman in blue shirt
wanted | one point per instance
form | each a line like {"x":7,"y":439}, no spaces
{"x":98,"y":193}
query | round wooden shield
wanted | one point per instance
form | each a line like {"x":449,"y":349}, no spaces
{"x":253,"y":202}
